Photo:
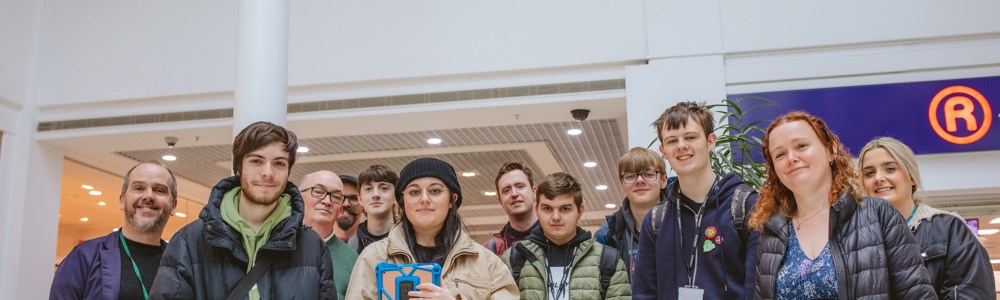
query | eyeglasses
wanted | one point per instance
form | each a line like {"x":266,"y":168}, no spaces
{"x":319,"y":193}
{"x":648,"y":176}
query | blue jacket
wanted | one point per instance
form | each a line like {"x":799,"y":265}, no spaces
{"x":725,"y":272}
{"x":92,"y":270}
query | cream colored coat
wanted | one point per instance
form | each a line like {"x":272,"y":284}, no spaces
{"x":470,"y":271}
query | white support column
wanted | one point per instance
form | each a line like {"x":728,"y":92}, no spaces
{"x":261,"y":63}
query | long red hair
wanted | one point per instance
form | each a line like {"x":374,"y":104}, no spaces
{"x":775,"y":196}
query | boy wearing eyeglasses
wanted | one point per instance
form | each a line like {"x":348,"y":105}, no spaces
{"x":642,"y":175}
{"x":323,"y":193}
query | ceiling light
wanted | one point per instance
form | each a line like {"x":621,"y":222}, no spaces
{"x":182,"y":215}
{"x":115,"y":230}
{"x":995,"y":221}
{"x":490,"y":193}
{"x":101,"y":203}
{"x":988,"y":231}
{"x":574,"y":132}
{"x":601,"y":187}
{"x":590,"y":164}
{"x":434,"y":141}
{"x":302,"y":149}
{"x":469,"y":174}
{"x":84,"y":219}
{"x":90,"y":188}
{"x":610,"y":205}
{"x":995,"y":261}
{"x":169,"y":158}
{"x":95,"y":193}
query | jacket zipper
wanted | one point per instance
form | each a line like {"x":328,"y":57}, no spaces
{"x":840,"y":264}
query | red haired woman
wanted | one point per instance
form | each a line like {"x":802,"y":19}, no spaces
{"x":821,"y":239}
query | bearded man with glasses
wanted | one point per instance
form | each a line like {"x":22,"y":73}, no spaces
{"x":642,"y":174}
{"x":323,"y":194}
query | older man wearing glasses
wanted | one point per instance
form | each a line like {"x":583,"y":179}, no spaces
{"x":323,"y":193}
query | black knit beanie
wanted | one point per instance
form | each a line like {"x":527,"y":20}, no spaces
{"x":428,"y":167}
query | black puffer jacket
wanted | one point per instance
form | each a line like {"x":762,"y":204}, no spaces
{"x":958,"y":265}
{"x":206,"y":259}
{"x":873,"y":251}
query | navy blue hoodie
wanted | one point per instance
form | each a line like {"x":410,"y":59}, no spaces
{"x":725,"y":272}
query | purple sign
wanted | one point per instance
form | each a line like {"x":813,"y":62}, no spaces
{"x":931,"y":117}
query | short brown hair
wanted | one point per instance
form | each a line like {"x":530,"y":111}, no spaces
{"x":511,"y":166}
{"x":677,"y":117}
{"x":639,"y":159}
{"x":377,"y":173}
{"x":558,"y":184}
{"x":259,"y":135}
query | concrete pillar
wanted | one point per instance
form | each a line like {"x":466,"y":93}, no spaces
{"x":261,"y":63}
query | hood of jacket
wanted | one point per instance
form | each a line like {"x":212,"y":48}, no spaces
{"x":220,"y":234}
{"x":538,"y":237}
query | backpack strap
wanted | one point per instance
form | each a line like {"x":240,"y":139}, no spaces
{"x":658,"y":212}
{"x":517,"y":259}
{"x":492,"y":245}
{"x":256,"y":272}
{"x":608,"y":265}
{"x":743,"y":192}
{"x":354,"y":243}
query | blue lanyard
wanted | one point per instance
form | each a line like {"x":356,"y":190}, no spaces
{"x":134,"y":266}
{"x":911,"y":215}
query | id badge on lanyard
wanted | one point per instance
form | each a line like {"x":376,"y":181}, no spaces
{"x":690,"y":292}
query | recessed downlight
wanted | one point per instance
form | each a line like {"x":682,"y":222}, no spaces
{"x":433,"y":141}
{"x":988,"y":231}
{"x":590,"y":164}
{"x":995,"y":261}
{"x":995,"y":221}
{"x":302,"y":149}
{"x":90,"y":188}
{"x":601,"y":187}
{"x":469,"y":174}
{"x":490,"y":193}
{"x":169,"y":158}
{"x":182,"y":215}
{"x":610,"y":205}
{"x":84,"y":219}
{"x":95,"y":193}
{"x":101,"y":203}
{"x":574,"y":131}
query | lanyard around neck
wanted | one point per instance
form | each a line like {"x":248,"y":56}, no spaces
{"x":911,"y":215}
{"x":693,"y":262}
{"x":564,"y":283}
{"x":135,"y":267}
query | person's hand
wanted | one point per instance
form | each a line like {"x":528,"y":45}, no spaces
{"x":430,"y":291}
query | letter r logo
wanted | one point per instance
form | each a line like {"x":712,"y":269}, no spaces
{"x":953,"y":113}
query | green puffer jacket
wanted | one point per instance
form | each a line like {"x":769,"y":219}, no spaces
{"x":585,"y":279}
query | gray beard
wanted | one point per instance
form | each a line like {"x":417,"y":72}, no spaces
{"x":146,"y":226}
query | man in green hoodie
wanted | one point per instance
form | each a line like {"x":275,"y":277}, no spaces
{"x":322,"y":191}
{"x":253,"y":221}
{"x":559,"y":260}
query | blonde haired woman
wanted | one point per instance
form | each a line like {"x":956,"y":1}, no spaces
{"x":958,"y":265}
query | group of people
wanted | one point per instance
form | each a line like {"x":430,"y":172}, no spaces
{"x":822,"y":226}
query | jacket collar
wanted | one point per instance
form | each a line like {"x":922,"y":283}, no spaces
{"x":397,"y":246}
{"x":219,"y":234}
{"x":111,"y":266}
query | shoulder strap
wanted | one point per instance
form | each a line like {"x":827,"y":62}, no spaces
{"x":243,"y":288}
{"x":608,"y":265}
{"x":492,"y":245}
{"x":355,"y":243}
{"x":743,"y":192}
{"x":517,"y":259}
{"x":658,"y":212}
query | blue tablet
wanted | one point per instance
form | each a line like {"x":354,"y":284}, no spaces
{"x":396,"y":281}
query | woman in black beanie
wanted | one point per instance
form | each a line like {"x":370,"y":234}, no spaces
{"x":431,"y":231}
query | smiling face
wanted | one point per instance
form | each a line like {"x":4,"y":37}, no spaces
{"x":884,"y":177}
{"x":801,"y":161}
{"x":559,"y":217}
{"x":265,"y":173}
{"x":515,"y":193}
{"x":347,"y":214}
{"x":320,"y":211}
{"x":686,"y":148}
{"x":378,"y":198}
{"x":644,"y":192}
{"x":147,"y":202}
{"x":426,"y":201}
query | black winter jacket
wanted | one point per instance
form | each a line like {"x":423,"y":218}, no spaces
{"x":205,"y":259}
{"x":873,"y":251}
{"x":958,"y":265}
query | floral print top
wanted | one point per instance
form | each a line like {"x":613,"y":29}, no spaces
{"x":804,"y":278}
